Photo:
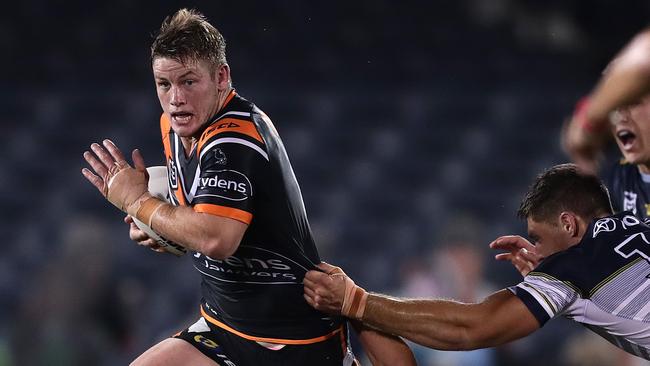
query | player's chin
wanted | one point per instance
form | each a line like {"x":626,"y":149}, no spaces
{"x":185,"y":129}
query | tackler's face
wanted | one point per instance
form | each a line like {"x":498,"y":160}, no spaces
{"x":188,"y":93}
{"x":632,"y":131}
{"x":548,"y":237}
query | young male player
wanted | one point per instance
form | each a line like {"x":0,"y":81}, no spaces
{"x":237,"y":206}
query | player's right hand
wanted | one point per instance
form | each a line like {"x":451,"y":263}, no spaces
{"x":582,"y":141}
{"x":519,"y":251}
{"x":141,"y":237}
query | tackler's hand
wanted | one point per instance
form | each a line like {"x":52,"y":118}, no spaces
{"x":122,"y":185}
{"x":332,"y":291}
{"x":519,"y":251}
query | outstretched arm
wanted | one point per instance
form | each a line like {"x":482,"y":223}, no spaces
{"x":439,"y":324}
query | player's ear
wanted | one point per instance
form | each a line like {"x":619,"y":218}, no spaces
{"x":223,"y":76}
{"x":569,"y":223}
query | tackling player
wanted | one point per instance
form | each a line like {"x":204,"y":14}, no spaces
{"x":595,"y":272}
{"x":618,"y":106}
{"x":236,"y":205}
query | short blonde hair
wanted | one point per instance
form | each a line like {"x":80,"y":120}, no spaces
{"x":187,"y":36}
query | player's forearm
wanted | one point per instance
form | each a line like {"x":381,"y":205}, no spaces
{"x":197,"y":231}
{"x":627,"y":80}
{"x":439,"y":324}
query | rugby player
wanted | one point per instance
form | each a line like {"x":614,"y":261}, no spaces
{"x":618,"y":106}
{"x":595,"y":272}
{"x":236,"y":205}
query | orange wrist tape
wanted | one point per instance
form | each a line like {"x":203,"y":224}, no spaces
{"x":147,"y":209}
{"x":354,"y":301}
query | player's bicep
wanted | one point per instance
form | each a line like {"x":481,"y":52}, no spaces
{"x":503,"y":317}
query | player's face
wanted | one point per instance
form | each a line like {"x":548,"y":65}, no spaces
{"x":632,"y":131}
{"x":188,"y":93}
{"x":548,"y":237}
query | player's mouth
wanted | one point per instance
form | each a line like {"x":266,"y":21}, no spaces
{"x":627,"y":138}
{"x":181,"y":117}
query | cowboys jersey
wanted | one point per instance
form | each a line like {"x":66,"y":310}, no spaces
{"x":629,"y":189}
{"x":239,"y":169}
{"x":602,"y":282}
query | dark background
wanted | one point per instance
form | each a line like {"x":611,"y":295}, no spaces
{"x":414,"y":128}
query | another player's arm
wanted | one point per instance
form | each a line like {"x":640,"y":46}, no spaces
{"x":383,"y":349}
{"x":625,"y":81}
{"x":450,"y":325}
{"x":126,"y":188}
{"x":439,"y":324}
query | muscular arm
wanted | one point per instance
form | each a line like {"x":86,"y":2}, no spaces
{"x":449,"y":325}
{"x":126,"y":188}
{"x":383,"y":349}
{"x":436,"y":323}
{"x":215,"y":236}
{"x":626,"y":80}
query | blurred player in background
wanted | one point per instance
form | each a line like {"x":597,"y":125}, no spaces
{"x":618,"y":106}
{"x":594,"y":272}
{"x":236,"y":205}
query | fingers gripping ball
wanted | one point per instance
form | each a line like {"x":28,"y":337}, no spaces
{"x":159,"y":189}
{"x":354,"y":301}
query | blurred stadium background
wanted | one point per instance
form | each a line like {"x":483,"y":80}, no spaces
{"x":413,"y":128}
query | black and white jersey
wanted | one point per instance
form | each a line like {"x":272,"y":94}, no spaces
{"x":629,"y":189}
{"x":602,"y":282}
{"x":239,"y":169}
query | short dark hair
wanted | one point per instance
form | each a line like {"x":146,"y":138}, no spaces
{"x":565,"y":187}
{"x":187,"y":36}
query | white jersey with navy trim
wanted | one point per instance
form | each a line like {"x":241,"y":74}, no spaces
{"x":602,"y":282}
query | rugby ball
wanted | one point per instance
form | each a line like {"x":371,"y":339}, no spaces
{"x":158,"y":188}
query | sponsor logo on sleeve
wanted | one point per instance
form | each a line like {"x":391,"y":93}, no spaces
{"x":227,"y":184}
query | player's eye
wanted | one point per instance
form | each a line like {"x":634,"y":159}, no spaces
{"x":189,"y":82}
{"x":163,"y":84}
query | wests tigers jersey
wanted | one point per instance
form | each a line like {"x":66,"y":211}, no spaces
{"x":629,"y":189}
{"x":602,"y":282}
{"x":239,"y":169}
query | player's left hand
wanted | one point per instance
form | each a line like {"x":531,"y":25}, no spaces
{"x":519,"y":251}
{"x":122,"y":185}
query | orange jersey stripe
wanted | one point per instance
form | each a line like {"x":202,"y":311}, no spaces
{"x":230,"y":125}
{"x":165,"y":126}
{"x":229,"y":212}
{"x":270,"y":340}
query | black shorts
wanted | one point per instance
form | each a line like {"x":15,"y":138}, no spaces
{"x":229,"y":349}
